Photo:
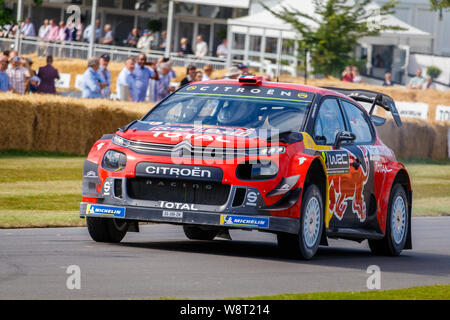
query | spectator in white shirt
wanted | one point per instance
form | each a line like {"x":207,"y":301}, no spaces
{"x":27,"y":28}
{"x":208,"y":70}
{"x":356,"y":76}
{"x":43,"y":30}
{"x":145,"y":41}
{"x":18,"y":75}
{"x":222,"y":49}
{"x":201,"y":47}
{"x":98,"y":32}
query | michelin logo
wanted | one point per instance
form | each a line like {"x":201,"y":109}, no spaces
{"x":116,"y":212}
{"x":244,"y":221}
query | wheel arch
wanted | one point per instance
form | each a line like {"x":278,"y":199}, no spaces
{"x":317,"y":174}
{"x":402,"y":178}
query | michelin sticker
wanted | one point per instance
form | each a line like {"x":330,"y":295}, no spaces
{"x":244,"y":221}
{"x":116,"y":212}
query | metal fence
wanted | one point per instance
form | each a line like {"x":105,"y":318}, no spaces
{"x":74,"y":49}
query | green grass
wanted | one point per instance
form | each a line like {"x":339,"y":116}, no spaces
{"x":39,"y":219}
{"x":44,"y":189}
{"x":39,"y":189}
{"x":431,"y":187}
{"x":435,"y":292}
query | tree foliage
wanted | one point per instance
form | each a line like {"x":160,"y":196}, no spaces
{"x":331,"y":34}
{"x":433,"y":72}
{"x":7,"y":16}
{"x":440,"y":4}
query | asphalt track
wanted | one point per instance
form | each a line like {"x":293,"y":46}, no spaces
{"x":160,"y":262}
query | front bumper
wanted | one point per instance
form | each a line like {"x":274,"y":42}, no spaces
{"x":220,"y":219}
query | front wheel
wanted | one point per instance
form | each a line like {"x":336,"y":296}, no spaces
{"x":306,"y":243}
{"x":396,"y":225}
{"x":107,"y":230}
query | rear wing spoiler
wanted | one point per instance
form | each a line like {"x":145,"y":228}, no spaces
{"x":375,"y":98}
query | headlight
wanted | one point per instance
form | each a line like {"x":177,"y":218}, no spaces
{"x":114,"y":160}
{"x":270,"y":151}
{"x":257,"y":171}
{"x":118,"y":140}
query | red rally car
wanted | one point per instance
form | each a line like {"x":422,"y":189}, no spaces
{"x":303,"y":162}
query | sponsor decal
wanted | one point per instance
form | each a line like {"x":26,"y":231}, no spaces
{"x":339,"y":197}
{"x":186,"y":172}
{"x":172,"y":214}
{"x":382,"y":168}
{"x":251,"y":198}
{"x":100,"y":145}
{"x":412,"y":109}
{"x":245,"y":221}
{"x":177,"y":206}
{"x":443,"y":113}
{"x":337,"y":161}
{"x":91,"y":174}
{"x":247,"y":92}
{"x":94,"y":209}
{"x":301,"y":160}
{"x":107,"y":188}
{"x":196,"y":132}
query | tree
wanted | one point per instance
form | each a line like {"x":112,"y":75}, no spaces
{"x":7,"y":16}
{"x":439,"y":4}
{"x":433,"y":72}
{"x":332,"y":33}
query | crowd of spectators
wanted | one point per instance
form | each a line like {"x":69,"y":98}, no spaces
{"x":351,"y":74}
{"x":17,"y":75}
{"x":54,"y":32}
{"x":140,"y":80}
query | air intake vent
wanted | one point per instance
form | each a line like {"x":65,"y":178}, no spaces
{"x":239,"y":197}
{"x":197,"y":192}
{"x":118,"y":188}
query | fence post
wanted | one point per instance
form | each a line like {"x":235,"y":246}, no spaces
{"x":19,"y":18}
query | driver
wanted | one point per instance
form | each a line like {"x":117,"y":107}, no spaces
{"x":237,"y":114}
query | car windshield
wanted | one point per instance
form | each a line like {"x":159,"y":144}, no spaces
{"x":235,"y":106}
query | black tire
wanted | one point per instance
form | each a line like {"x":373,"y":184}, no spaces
{"x":296,"y":244}
{"x":197,"y":233}
{"x":107,"y":230}
{"x":389,"y":246}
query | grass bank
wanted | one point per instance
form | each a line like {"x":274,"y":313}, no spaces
{"x":435,"y":292}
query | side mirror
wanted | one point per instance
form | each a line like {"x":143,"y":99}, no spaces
{"x":343,"y":136}
{"x":378,"y":121}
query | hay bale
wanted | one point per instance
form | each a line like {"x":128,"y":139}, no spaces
{"x":440,"y":142}
{"x":57,"y":124}
{"x":62,"y":125}
{"x":415,"y":139}
{"x":105,"y":120}
{"x":17,"y":121}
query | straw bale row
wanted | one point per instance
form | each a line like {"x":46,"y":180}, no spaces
{"x":57,"y":124}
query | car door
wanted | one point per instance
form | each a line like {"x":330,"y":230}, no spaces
{"x":330,"y":121}
{"x":362,"y":208}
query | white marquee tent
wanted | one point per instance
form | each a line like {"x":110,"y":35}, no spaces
{"x":264,"y":24}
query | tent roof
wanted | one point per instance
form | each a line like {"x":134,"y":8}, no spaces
{"x":255,"y":23}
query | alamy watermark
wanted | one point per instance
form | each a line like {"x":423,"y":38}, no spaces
{"x":374,"y":280}
{"x":74,"y":279}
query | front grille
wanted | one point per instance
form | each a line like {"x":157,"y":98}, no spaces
{"x":187,"y":150}
{"x":196,"y":192}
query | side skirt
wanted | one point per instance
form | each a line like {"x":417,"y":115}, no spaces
{"x":358,"y":235}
